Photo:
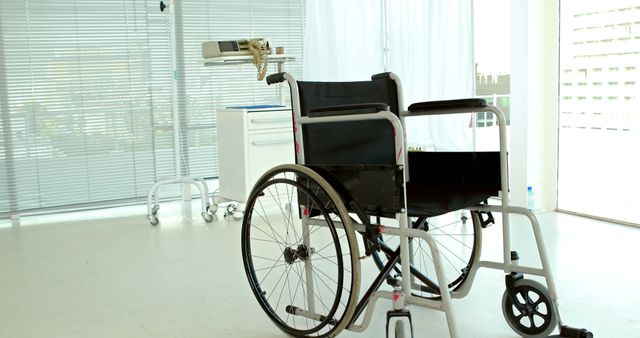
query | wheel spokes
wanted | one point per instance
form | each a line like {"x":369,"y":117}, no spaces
{"x":293,"y":263}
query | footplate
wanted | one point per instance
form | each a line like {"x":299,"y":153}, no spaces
{"x":572,"y":332}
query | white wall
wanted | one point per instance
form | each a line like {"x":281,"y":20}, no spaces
{"x":534,"y":95}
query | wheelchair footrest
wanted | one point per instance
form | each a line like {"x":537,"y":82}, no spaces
{"x":572,"y":332}
{"x":399,"y":327}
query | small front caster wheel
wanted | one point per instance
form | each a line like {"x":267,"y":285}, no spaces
{"x":531,"y":313}
{"x":399,"y":329}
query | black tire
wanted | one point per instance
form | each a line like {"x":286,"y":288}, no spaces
{"x":458,"y":242}
{"x":536,"y":317}
{"x":287,"y":266}
{"x":399,"y":329}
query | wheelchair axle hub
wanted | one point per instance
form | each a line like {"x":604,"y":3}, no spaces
{"x":291,"y":254}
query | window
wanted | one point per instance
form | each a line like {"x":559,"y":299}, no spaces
{"x":82,"y":92}
{"x":492,"y":26}
{"x":596,"y":169}
{"x":86,"y":93}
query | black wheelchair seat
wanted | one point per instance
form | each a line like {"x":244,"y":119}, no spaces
{"x":441,"y":182}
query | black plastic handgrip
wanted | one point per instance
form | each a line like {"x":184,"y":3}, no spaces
{"x":162,"y":6}
{"x":275,"y":78}
{"x":381,"y":76}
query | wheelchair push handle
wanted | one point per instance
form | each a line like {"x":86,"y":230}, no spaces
{"x":275,"y":78}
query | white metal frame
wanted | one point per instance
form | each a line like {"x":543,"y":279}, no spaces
{"x":185,"y":181}
{"x":404,"y":231}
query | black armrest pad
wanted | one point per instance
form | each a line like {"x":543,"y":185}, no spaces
{"x":350,"y":109}
{"x":448,"y":104}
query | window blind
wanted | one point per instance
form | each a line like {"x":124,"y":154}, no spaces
{"x":83,"y":82}
{"x":86,"y":93}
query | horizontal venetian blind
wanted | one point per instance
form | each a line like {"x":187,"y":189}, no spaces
{"x":83,"y":82}
{"x":86,"y":93}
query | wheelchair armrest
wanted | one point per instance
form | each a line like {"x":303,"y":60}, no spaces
{"x":351,"y":109}
{"x":446,"y":106}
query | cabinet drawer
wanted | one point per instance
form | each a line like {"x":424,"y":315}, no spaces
{"x":269,"y":120}
{"x":267,"y":151}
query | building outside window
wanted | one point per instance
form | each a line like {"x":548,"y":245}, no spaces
{"x":492,"y":34}
{"x":599,"y":117}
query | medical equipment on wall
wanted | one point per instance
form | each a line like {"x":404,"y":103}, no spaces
{"x":258,"y":48}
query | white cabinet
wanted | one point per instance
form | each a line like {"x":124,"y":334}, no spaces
{"x":250,"y":142}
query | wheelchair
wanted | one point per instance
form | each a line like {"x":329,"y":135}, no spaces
{"x":356,"y":192}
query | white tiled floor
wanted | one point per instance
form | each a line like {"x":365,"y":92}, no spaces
{"x":110,"y":274}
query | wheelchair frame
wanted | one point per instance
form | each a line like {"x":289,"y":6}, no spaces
{"x":366,"y":304}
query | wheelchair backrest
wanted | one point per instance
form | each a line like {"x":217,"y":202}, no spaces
{"x":367,"y":142}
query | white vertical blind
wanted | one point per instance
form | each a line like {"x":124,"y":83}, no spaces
{"x":85,"y":93}
{"x":430,"y":47}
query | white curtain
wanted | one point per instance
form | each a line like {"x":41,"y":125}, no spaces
{"x":343,"y":40}
{"x":430,"y":49}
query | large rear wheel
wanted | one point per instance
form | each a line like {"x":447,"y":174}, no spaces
{"x":300,"y":252}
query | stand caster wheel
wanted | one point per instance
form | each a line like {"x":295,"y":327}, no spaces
{"x":231,"y":209}
{"x":237,"y":215}
{"x":207,"y":217}
{"x":153,"y":220}
{"x":213,"y":208}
